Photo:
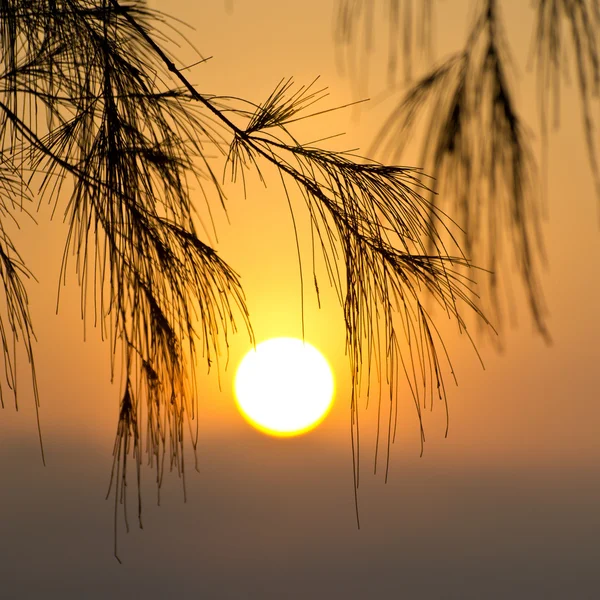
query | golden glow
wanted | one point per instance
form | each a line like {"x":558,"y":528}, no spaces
{"x":284,"y":387}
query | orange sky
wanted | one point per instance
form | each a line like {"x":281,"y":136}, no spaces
{"x":509,"y":501}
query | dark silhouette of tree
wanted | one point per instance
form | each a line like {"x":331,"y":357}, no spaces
{"x":97,"y":118}
{"x":474,"y":142}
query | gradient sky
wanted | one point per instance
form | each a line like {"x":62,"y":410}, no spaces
{"x":508,"y":506}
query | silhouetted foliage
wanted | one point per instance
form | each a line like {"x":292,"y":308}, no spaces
{"x":474,"y":143}
{"x":95,"y":111}
{"x":408,"y":33}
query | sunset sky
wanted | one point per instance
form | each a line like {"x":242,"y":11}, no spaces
{"x":506,"y":506}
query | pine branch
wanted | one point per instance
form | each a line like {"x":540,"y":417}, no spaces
{"x":408,"y":32}
{"x":553,"y":48}
{"x":125,"y":124}
{"x":477,"y":149}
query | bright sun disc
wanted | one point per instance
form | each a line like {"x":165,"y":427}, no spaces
{"x":284,"y":387}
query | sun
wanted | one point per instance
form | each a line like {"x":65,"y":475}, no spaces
{"x":284,"y":387}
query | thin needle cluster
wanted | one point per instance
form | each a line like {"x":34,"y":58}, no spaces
{"x":409,"y":33}
{"x":112,"y":131}
{"x":123,"y":145}
{"x":15,"y":322}
{"x":567,"y":31}
{"x":475,"y":144}
{"x":380,"y":239}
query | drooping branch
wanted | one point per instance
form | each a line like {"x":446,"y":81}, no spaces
{"x":16,"y":327}
{"x":554,"y":49}
{"x":476,"y":146}
{"x":372,"y":223}
{"x":130,"y":148}
{"x":407,"y":29}
{"x":126,"y":126}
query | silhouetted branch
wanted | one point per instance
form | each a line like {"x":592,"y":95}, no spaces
{"x":379,"y":220}
{"x":130,"y":148}
{"x":408,"y":25}
{"x":354,"y":186}
{"x":476,"y":147}
{"x":447,"y":100}
{"x":128,"y":129}
{"x":13,"y":272}
{"x":553,"y":48}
